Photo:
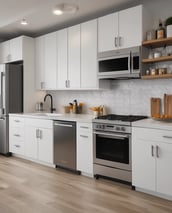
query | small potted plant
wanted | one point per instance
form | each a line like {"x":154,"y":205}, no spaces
{"x":168,"y":24}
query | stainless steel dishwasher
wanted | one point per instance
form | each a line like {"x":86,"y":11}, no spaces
{"x":65,"y":144}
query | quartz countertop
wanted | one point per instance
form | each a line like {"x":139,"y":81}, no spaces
{"x":154,"y":124}
{"x":56,"y":116}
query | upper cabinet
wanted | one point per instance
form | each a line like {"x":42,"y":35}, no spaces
{"x":46,"y":61}
{"x":74,"y":66}
{"x":11,"y":50}
{"x":89,"y":55}
{"x":120,"y":30}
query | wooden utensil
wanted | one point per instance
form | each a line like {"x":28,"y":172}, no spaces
{"x":169,"y":105}
{"x":155,"y":107}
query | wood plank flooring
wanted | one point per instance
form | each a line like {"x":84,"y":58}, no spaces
{"x":27,"y":187}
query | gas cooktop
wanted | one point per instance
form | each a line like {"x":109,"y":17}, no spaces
{"x":119,"y":119}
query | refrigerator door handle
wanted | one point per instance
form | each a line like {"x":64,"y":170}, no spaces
{"x":2,"y":93}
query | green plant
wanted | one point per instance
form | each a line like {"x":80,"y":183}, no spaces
{"x":168,"y":21}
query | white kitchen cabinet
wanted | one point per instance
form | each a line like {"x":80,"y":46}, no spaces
{"x":74,"y":66}
{"x":89,"y":54}
{"x":46,"y":61}
{"x":122,"y":29}
{"x":11,"y":50}
{"x":62,"y":53}
{"x":39,"y":139}
{"x":151,"y":157}
{"x":85,"y":148}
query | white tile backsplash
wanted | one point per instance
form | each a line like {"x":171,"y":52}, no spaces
{"x":124,"y":97}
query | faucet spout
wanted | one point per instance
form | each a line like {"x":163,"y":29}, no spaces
{"x":51,"y":102}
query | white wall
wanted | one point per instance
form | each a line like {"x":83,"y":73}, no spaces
{"x":127,"y":96}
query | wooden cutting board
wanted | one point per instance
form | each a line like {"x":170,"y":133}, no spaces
{"x":168,"y":105}
{"x":155,"y":107}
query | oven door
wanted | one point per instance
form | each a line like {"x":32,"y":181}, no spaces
{"x":112,"y":150}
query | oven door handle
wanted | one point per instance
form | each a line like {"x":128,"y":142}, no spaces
{"x":116,"y":136}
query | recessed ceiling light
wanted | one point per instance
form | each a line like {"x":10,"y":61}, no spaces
{"x":65,"y":8}
{"x":24,"y":22}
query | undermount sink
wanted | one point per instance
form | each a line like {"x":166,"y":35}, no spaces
{"x":46,"y":114}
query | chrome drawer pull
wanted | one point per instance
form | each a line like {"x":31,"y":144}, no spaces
{"x":152,"y":151}
{"x":17,"y":121}
{"x":157,"y":151}
{"x":165,"y":136}
{"x":83,"y":136}
{"x":84,"y":127}
{"x":16,"y":135}
{"x":17,"y":146}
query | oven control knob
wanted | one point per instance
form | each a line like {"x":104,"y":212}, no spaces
{"x":117,"y":128}
{"x":123,"y":129}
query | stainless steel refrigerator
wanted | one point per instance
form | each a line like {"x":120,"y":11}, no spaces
{"x":11,"y":99}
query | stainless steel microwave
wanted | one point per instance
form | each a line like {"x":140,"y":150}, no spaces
{"x":123,"y":64}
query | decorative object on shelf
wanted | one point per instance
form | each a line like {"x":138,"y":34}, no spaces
{"x":157,"y":54}
{"x":160,"y":33}
{"x":168,"y":24}
{"x":150,"y":35}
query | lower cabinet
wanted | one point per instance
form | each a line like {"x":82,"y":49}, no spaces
{"x":85,"y":148}
{"x":31,"y":138}
{"x":39,"y":139}
{"x":152,"y":159}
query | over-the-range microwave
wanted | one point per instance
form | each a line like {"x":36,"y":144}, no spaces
{"x":120,"y":64}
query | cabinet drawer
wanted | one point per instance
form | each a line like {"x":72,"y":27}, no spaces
{"x":17,"y":134}
{"x":84,"y":127}
{"x":152,"y":134}
{"x":16,"y":122}
{"x":41,"y":123}
{"x":17,"y":147}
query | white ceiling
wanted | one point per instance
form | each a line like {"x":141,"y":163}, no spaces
{"x":41,"y":20}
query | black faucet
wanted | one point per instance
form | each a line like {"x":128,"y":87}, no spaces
{"x":51,"y":98}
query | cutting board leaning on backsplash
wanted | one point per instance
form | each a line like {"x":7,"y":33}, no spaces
{"x":155,"y":107}
{"x":168,"y":105}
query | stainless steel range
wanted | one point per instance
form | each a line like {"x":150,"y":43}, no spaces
{"x":112,"y":146}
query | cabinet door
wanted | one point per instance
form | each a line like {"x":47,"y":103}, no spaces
{"x":130,"y":27}
{"x":85,"y":148}
{"x":45,"y":145}
{"x":5,"y":52}
{"x":39,"y":62}
{"x":50,"y":57}
{"x":74,"y":56}
{"x":143,"y":163}
{"x":31,"y":144}
{"x":164,"y":168}
{"x":16,"y":49}
{"x":62,"y":59}
{"x":89,"y":54}
{"x":107,"y":32}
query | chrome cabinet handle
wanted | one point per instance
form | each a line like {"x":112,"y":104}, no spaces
{"x":40,"y":134}
{"x":68,"y":85}
{"x":37,"y":133}
{"x":17,"y":121}
{"x":17,"y":146}
{"x":83,"y":136}
{"x":157,"y":151}
{"x":119,"y":41}
{"x":84,"y":127}
{"x":165,"y":136}
{"x":152,"y":151}
{"x":116,"y":42}
{"x":16,"y":135}
{"x":42,"y":85}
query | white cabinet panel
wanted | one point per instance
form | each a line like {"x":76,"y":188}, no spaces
{"x":74,"y":56}
{"x":89,"y":54}
{"x":130,"y":27}
{"x":85,"y":148}
{"x":5,"y":52}
{"x":16,"y":49}
{"x":50,"y":52}
{"x":39,"y":63}
{"x":107,"y":32}
{"x":62,"y":67}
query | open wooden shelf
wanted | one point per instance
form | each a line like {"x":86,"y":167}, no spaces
{"x":160,"y":59}
{"x":158,"y":42}
{"x":156,"y":76}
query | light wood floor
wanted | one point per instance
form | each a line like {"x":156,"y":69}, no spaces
{"x":26,"y":187}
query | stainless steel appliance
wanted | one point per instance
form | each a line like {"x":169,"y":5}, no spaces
{"x":112,"y":146}
{"x":124,"y":63}
{"x":11,"y":99}
{"x":65,"y":144}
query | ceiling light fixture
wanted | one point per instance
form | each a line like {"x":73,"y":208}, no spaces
{"x":24,"y":22}
{"x":65,"y":8}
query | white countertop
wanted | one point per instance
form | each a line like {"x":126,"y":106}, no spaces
{"x":57,"y":116}
{"x":154,"y":124}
